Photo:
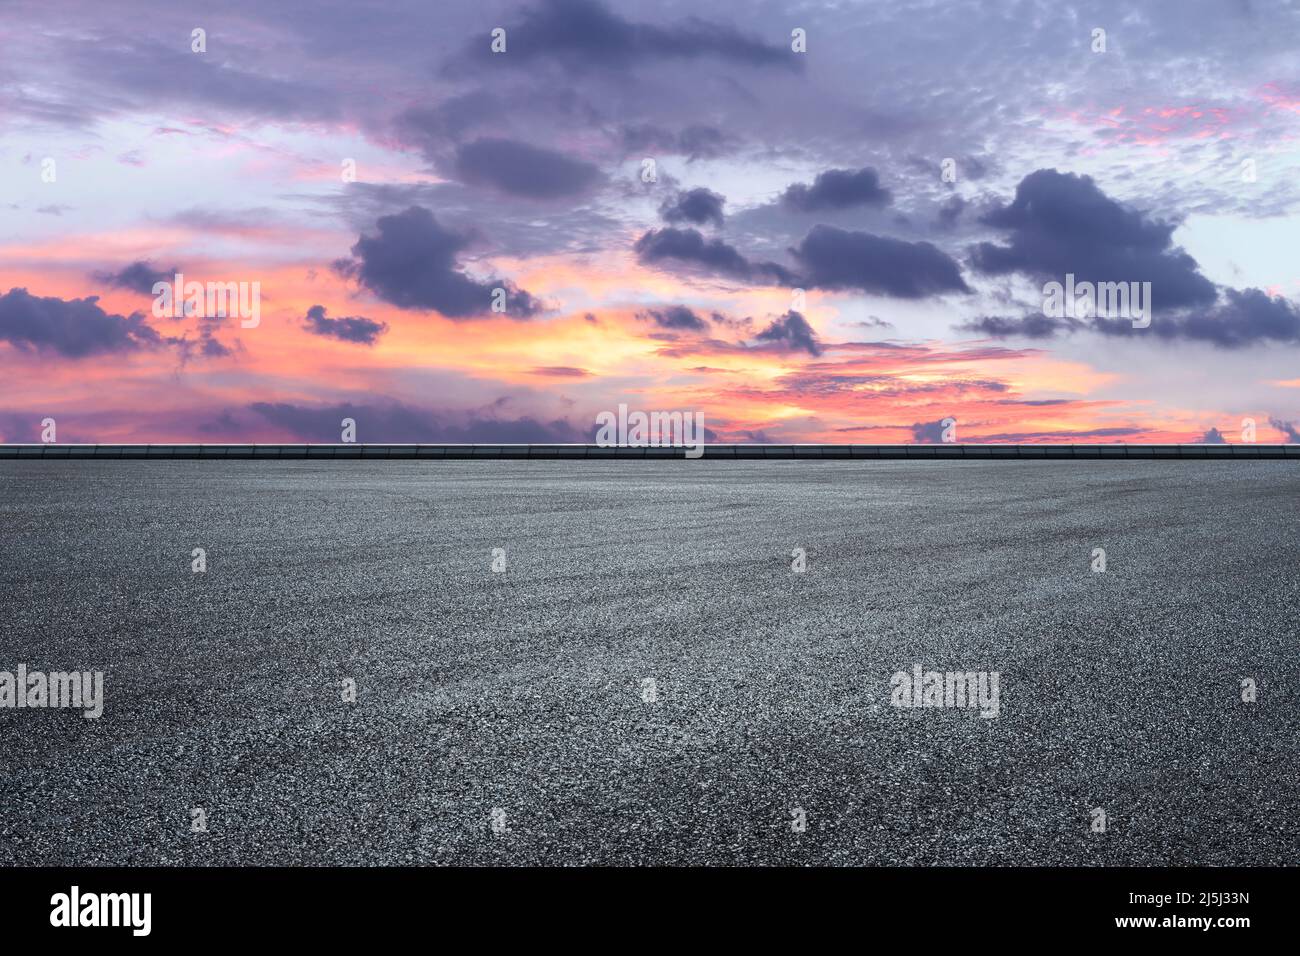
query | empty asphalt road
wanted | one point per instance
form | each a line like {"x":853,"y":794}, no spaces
{"x":648,"y":680}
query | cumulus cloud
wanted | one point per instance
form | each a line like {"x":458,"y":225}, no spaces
{"x":412,"y":263}
{"x":837,"y":189}
{"x":72,"y":328}
{"x":834,"y":258}
{"x":139,"y":276}
{"x":357,"y":329}
{"x":676,"y":317}
{"x":1063,"y":223}
{"x":689,"y":246}
{"x":829,"y":258}
{"x":207,"y":346}
{"x":1240,"y":318}
{"x":928,"y":433}
{"x":792,"y":331}
{"x":699,"y":206}
{"x":1032,"y":326}
{"x":1288,"y":429}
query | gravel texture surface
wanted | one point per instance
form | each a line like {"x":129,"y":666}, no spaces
{"x":524,"y":690}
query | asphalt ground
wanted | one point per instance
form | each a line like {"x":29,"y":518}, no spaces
{"x":524,"y":691}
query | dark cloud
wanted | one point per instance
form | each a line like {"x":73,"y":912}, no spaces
{"x":73,"y":328}
{"x":837,"y":189}
{"x":743,"y":324}
{"x":676,"y":317}
{"x":211,"y":347}
{"x":139,"y":276}
{"x":699,"y":206}
{"x":1241,"y":318}
{"x":1287,"y":428}
{"x":523,"y":170}
{"x":1032,"y":326}
{"x":928,"y":433}
{"x":689,"y":246}
{"x":357,"y":329}
{"x":412,"y":263}
{"x":792,"y":331}
{"x":835,"y":258}
{"x":398,"y":423}
{"x":1062,"y":223}
{"x":831,"y":258}
{"x":582,"y":34}
{"x":208,"y":346}
{"x":1213,"y":437}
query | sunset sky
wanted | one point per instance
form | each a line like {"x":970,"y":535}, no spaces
{"x":1171,"y":156}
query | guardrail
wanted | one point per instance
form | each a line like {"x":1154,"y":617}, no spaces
{"x":711,"y":452}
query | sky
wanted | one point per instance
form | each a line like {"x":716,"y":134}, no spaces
{"x":492,"y":222}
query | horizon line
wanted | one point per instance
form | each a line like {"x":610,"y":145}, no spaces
{"x":377,"y":451}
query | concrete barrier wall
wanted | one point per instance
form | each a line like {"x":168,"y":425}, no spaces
{"x":728,"y":452}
